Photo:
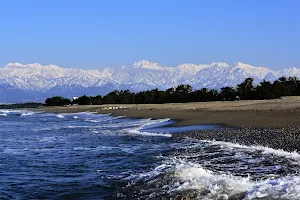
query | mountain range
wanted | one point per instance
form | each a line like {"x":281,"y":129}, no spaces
{"x":34,"y":82}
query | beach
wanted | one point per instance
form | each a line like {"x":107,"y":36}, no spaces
{"x":277,"y":113}
{"x":270,"y":123}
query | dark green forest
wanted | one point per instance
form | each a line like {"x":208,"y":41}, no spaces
{"x":21,"y":105}
{"x":185,"y":93}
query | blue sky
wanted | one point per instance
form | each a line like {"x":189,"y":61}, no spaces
{"x":98,"y":34}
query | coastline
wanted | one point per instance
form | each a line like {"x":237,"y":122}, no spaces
{"x":268,"y":123}
{"x":278,"y":113}
{"x":287,"y":139}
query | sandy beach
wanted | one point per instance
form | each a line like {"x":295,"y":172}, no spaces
{"x":270,"y":123}
{"x":278,"y":113}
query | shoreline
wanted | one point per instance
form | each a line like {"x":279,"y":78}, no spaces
{"x":278,"y":113}
{"x":269,"y":123}
{"x":287,"y":139}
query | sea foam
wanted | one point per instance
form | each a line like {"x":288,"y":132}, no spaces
{"x":144,"y":133}
{"x":146,"y":122}
{"x":224,"y":186}
{"x":27,"y":114}
{"x":265,"y":150}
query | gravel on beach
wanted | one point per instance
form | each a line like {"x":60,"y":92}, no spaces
{"x":287,"y":139}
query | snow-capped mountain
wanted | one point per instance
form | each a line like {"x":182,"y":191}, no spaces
{"x":19,"y":82}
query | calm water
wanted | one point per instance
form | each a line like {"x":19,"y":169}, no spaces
{"x":88,"y":156}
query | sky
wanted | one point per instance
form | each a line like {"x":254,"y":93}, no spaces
{"x":95,"y":34}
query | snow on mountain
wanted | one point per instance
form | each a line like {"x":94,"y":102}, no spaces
{"x":45,"y":81}
{"x":144,"y":64}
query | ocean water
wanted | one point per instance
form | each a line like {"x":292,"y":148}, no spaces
{"x":90,"y":156}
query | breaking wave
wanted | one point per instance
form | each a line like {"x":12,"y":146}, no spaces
{"x":222,"y":170}
{"x":6,"y":111}
{"x":265,"y":150}
{"x":27,"y":114}
{"x":60,"y":116}
{"x":211,"y":185}
{"x":144,"y":133}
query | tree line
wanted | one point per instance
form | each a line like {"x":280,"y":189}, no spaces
{"x":185,"y":93}
{"x":21,"y":105}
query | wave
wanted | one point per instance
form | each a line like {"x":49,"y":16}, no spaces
{"x":3,"y":114}
{"x":18,"y":112}
{"x":11,"y":111}
{"x":265,"y":150}
{"x":144,"y":133}
{"x":156,"y":122}
{"x":132,"y":127}
{"x":188,"y":179}
{"x":192,"y":176}
{"x":135,"y":127}
{"x":5,"y":111}
{"x":146,"y":122}
{"x":81,"y":114}
{"x":60,"y":116}
{"x":27,"y":114}
{"x":103,"y":119}
{"x":92,"y":120}
{"x":225,"y":186}
{"x":184,"y":173}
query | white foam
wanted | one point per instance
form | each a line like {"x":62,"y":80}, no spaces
{"x":12,"y":111}
{"x":49,"y":139}
{"x":92,"y":120}
{"x":208,"y":184}
{"x":265,"y":150}
{"x":155,"y":172}
{"x":282,"y":188}
{"x":87,"y":114}
{"x":151,"y":174}
{"x":152,"y":122}
{"x":75,"y":117}
{"x":83,"y":148}
{"x":143,"y":133}
{"x":193,"y":176}
{"x":27,"y":114}
{"x":212,"y":185}
{"x":147,"y":122}
{"x":190,"y":176}
{"x":102,"y":119}
{"x":5,"y":111}
{"x":60,"y":116}
{"x":3,"y":114}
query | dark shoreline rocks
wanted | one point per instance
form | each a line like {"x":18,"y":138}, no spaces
{"x":287,"y":139}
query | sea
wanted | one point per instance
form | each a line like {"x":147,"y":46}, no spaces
{"x":94,"y":156}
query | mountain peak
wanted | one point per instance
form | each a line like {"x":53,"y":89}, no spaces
{"x":31,"y":66}
{"x":242,"y":65}
{"x":218,"y":63}
{"x":16,"y":64}
{"x":145,"y":64}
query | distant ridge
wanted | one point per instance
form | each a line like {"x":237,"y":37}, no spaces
{"x":28,"y":82}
